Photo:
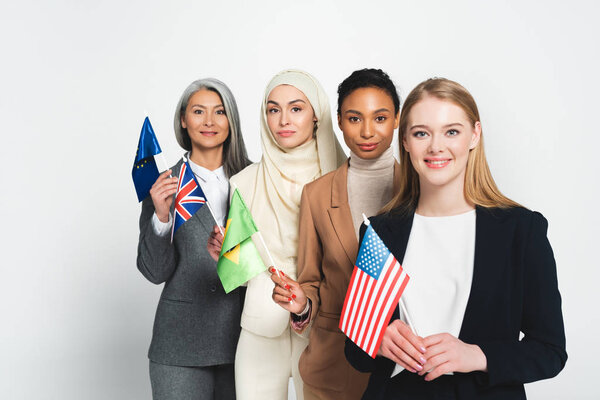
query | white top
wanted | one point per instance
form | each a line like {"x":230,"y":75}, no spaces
{"x":439,"y":260}
{"x":215,"y":186}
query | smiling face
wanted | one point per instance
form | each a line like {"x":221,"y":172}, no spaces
{"x":368,"y":121}
{"x":290,"y":116}
{"x":205,"y":121}
{"x":438,"y":138}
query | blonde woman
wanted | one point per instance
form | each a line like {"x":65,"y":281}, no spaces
{"x":481,"y":267}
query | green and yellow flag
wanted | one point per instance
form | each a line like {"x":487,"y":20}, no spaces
{"x":239,"y":260}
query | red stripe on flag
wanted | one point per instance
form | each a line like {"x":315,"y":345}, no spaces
{"x":389,"y":315}
{"x":379,"y":308}
{"x":343,"y":314}
{"x":366,"y":310}
{"x":359,"y":314}
{"x":185,"y":190}
{"x":387,"y":270}
{"x":384,"y":309}
{"x":184,"y":213}
{"x":358,"y":280}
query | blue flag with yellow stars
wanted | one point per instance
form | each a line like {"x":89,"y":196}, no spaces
{"x":145,"y":171}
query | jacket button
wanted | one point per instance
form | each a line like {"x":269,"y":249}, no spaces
{"x":213,"y":288}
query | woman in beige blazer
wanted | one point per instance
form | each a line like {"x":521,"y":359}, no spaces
{"x":330,"y":216}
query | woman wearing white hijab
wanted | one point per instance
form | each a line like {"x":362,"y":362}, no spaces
{"x":299,"y":146}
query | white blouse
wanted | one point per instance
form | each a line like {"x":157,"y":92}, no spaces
{"x":215,"y":186}
{"x":439,"y":261}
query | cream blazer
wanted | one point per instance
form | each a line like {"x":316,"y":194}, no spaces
{"x":261,"y":315}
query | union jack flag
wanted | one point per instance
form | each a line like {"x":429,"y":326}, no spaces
{"x":374,"y":291}
{"x":189,"y":197}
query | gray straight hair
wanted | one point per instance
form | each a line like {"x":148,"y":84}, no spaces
{"x":235,"y":157}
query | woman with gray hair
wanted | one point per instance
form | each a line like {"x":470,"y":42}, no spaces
{"x":197,"y":324}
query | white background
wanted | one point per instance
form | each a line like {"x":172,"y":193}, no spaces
{"x":75,"y":77}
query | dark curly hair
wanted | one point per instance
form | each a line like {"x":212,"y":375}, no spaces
{"x":365,"y":78}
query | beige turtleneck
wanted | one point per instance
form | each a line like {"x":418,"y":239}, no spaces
{"x":370,"y":185}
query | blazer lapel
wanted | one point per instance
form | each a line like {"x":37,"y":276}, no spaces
{"x":399,"y":244}
{"x":339,"y":213}
{"x":402,"y":225}
{"x":204,"y":218}
{"x":489,"y":250}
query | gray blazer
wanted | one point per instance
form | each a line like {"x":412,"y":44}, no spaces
{"x":196,"y":323}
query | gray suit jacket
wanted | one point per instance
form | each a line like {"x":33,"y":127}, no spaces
{"x":196,"y":323}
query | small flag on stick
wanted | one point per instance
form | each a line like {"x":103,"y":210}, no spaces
{"x":188,"y":199}
{"x":239,"y":260}
{"x":145,"y":171}
{"x":376,"y":285}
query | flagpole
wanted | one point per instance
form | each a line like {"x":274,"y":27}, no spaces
{"x":260,"y":236}
{"x":164,"y":163}
{"x":405,"y":312}
{"x":215,"y":218}
{"x":165,"y":166}
{"x":402,"y":305}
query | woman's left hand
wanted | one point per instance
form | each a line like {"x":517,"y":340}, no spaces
{"x":446,"y":353}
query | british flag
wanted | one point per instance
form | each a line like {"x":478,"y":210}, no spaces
{"x":189,"y":197}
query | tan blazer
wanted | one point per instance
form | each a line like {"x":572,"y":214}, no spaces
{"x":327,"y":250}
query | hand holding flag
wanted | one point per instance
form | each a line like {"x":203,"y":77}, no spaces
{"x":162,"y":195}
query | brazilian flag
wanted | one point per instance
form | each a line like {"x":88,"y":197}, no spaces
{"x":239,"y":260}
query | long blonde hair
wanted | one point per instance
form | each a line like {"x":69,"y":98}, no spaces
{"x":480,"y":188}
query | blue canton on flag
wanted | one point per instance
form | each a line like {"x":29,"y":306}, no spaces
{"x":376,"y":285}
{"x":373,"y":254}
{"x":189,"y":198}
{"x":145,"y":171}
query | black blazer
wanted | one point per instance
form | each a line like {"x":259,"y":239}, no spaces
{"x":514,"y":290}
{"x":196,"y":323}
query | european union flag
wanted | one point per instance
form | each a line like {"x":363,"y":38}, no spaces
{"x":145,"y":171}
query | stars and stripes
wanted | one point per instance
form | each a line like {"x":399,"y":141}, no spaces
{"x":376,"y":285}
{"x":189,"y":198}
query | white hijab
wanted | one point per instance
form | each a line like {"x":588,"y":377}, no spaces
{"x":272,"y":188}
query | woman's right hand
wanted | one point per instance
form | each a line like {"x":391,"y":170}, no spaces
{"x":403,"y":347}
{"x":162,"y":195}
{"x":287,"y":292}
{"x":215,"y":242}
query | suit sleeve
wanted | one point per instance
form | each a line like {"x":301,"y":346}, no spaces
{"x":310,"y":256}
{"x":541,"y":353}
{"x":358,"y":358}
{"x":156,"y":258}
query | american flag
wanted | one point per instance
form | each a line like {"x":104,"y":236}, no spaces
{"x":375,"y":288}
{"x":189,"y":197}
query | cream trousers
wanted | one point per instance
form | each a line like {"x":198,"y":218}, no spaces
{"x":263,"y":366}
